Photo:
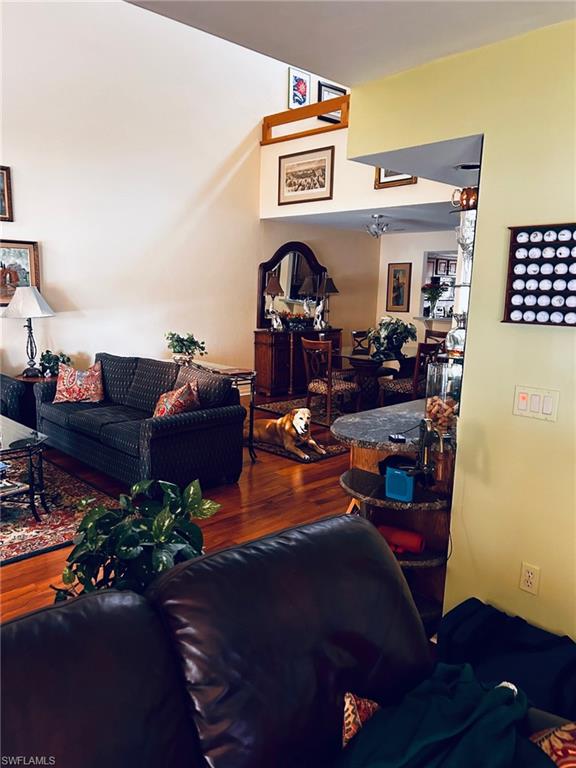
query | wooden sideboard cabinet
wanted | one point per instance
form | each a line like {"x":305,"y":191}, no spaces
{"x":279,"y":361}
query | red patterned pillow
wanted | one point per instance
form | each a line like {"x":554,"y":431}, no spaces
{"x":185,"y":398}
{"x":559,"y":744}
{"x":79,"y":386}
{"x":356,"y":712}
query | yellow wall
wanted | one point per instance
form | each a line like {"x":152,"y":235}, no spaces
{"x":516,"y":478}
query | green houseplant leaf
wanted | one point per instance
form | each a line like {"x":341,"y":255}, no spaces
{"x":128,"y":546}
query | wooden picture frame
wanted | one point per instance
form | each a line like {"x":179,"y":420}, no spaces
{"x":441,"y":266}
{"x":398,"y":287}
{"x":385,"y":178}
{"x":452,"y":266}
{"x":328,"y":91}
{"x":6,"y":209}
{"x":299,"y":85}
{"x":305,"y":177}
{"x":19,"y":266}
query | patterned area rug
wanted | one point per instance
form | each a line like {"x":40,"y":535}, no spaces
{"x":318,"y":409}
{"x":331,"y":451}
{"x":21,"y":536}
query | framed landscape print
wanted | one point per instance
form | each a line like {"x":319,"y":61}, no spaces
{"x":6,"y":213}
{"x":298,"y":88}
{"x":398,"y":290}
{"x":328,"y":91}
{"x":19,"y":266}
{"x":384,"y":178}
{"x":304,"y":177}
{"x":441,"y":266}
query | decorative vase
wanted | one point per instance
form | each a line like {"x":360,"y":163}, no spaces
{"x":456,"y":338}
{"x":183,"y":358}
{"x":433,"y":308}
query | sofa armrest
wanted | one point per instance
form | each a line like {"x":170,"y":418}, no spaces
{"x":160,"y":426}
{"x":44,"y":392}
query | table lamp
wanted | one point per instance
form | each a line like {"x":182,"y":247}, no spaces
{"x":273,"y":288}
{"x":27,"y":303}
{"x":326,"y":290}
{"x":307,"y":288}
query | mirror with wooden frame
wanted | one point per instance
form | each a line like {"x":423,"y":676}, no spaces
{"x":296,"y":266}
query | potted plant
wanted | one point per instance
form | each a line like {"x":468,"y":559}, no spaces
{"x":389,"y":337}
{"x":184,"y":348}
{"x":151,"y":530}
{"x":50,"y":361}
{"x":295,"y":321}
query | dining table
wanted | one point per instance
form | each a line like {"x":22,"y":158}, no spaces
{"x":367,"y":371}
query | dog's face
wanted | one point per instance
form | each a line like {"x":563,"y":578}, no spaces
{"x":301,"y":418}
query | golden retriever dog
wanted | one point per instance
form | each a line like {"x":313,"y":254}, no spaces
{"x":289,"y":431}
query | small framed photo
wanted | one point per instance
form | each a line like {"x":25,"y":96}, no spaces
{"x":430,"y":269}
{"x":452,"y":268}
{"x":328,"y":91}
{"x":398,"y":289}
{"x":441,"y":266}
{"x":304,"y":177}
{"x":298,"y":88}
{"x":385,"y":178}
{"x":6,"y":212}
{"x":19,"y":267}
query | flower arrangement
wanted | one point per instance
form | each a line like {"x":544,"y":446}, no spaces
{"x":50,"y":361}
{"x":185,"y":345}
{"x":389,"y":337}
{"x":432,"y":292}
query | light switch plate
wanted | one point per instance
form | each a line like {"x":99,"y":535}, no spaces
{"x":536,"y":403}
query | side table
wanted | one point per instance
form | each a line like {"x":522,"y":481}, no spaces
{"x":28,"y":416}
{"x":239,"y":376}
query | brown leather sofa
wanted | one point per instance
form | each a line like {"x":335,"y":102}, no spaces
{"x":238,"y":659}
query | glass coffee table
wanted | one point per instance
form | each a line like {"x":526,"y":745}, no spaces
{"x":20,"y":442}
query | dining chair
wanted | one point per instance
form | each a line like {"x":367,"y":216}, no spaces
{"x":361,"y":343}
{"x":431,"y":335}
{"x":322,"y":379}
{"x":414,"y":386}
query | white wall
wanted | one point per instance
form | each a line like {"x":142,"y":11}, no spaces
{"x":353,"y":182}
{"x":410,"y":247}
{"x":134,"y":147}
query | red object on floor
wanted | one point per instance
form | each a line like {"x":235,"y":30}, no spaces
{"x":401,"y":540}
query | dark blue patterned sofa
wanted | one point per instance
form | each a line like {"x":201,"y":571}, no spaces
{"x":12,"y":393}
{"x":121,"y":437}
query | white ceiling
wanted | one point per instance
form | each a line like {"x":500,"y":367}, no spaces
{"x":353,"y":41}
{"x":430,"y":217}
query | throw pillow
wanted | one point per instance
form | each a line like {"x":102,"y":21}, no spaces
{"x":357,"y":712}
{"x":185,"y":398}
{"x":79,"y":386}
{"x":559,"y":744}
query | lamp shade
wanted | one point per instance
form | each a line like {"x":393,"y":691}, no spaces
{"x":273,"y":287}
{"x":307,"y":288}
{"x":329,"y":286}
{"x":28,"y":302}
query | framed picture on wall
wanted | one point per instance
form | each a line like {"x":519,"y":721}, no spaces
{"x":441,"y":266}
{"x":19,"y":267}
{"x":430,"y":269}
{"x":298,"y":88}
{"x":452,"y":268}
{"x":398,"y":288}
{"x":6,"y":213}
{"x":385,"y":178}
{"x":304,"y":177}
{"x":328,"y":91}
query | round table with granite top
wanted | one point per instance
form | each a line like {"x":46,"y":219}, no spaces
{"x":368,"y":435}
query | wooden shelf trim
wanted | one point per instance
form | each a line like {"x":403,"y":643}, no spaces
{"x":341,"y":104}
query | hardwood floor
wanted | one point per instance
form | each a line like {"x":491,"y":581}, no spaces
{"x":273,"y":494}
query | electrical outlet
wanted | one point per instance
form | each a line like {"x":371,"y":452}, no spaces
{"x":530,"y":578}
